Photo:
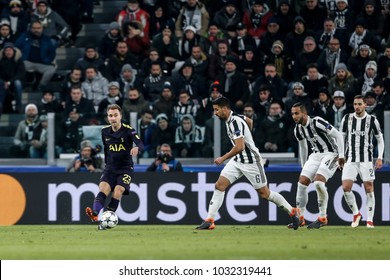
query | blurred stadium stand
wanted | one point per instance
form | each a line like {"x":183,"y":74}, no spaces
{"x":66,"y":58}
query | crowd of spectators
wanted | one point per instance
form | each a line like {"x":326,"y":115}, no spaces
{"x":167,"y":61}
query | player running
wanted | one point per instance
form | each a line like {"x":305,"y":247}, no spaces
{"x":245,"y":160}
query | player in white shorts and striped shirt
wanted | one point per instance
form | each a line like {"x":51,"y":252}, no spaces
{"x":245,"y":160}
{"x":326,"y":143}
{"x":358,"y":130}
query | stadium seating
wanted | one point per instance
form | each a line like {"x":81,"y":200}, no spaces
{"x":8,"y":125}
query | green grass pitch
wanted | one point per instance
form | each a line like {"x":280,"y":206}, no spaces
{"x":182,"y":242}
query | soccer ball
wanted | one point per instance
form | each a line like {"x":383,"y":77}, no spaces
{"x":109,"y":219}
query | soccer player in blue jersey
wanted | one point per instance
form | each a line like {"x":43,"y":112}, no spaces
{"x":245,"y":160}
{"x":118,"y":139}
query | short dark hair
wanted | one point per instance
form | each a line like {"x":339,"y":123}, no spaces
{"x":222,"y":102}
{"x":76,"y":86}
{"x":132,"y":88}
{"x":153,"y":49}
{"x":301,"y":106}
{"x":312,"y":65}
{"x":120,"y":42}
{"x":359,"y":96}
{"x":377,"y":84}
{"x":92,"y":67}
{"x":155,"y":63}
{"x":264,"y":87}
{"x":196,"y":46}
{"x":76,"y":68}
{"x":279,"y":102}
{"x":35,"y":21}
{"x":186,"y":91}
{"x":147,"y":111}
{"x":223,"y":41}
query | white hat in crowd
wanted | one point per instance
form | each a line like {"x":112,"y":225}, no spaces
{"x":338,"y":93}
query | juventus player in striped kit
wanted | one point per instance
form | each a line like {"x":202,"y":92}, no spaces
{"x":327,"y":147}
{"x":358,"y":130}
{"x":245,"y":160}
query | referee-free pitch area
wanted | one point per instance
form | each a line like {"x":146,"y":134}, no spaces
{"x":182,"y":242}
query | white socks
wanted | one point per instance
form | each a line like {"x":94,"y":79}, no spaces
{"x":215,"y":203}
{"x":280,"y":201}
{"x":322,"y":197}
{"x":351,"y":201}
{"x":218,"y":196}
{"x":370,"y":206}
{"x":302,"y":198}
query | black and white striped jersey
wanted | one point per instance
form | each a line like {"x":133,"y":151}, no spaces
{"x":358,"y":134}
{"x":316,"y":132}
{"x":237,"y":127}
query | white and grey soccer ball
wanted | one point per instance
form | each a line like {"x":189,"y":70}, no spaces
{"x":109,"y":219}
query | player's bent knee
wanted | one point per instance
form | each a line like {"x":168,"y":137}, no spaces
{"x":320,"y":178}
{"x":347,"y":186}
{"x":368,"y":186}
{"x":222,"y":184}
{"x":104,"y":188}
{"x":347,"y":189}
{"x":118,"y":192}
{"x":263,"y":192}
{"x":304,"y":180}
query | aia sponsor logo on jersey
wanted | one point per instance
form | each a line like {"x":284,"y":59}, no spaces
{"x":116,"y":147}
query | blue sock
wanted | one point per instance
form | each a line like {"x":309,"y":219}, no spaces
{"x":113,"y":205}
{"x":98,"y":203}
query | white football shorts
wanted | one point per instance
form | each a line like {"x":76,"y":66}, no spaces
{"x":324,"y":164}
{"x":254,"y":172}
{"x":365,"y":170}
